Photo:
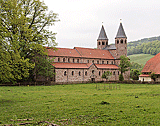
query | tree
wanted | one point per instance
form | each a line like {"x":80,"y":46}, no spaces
{"x":24,"y":33}
{"x":124,"y":64}
{"x":153,"y":76}
{"x":134,"y":74}
{"x":106,"y":75}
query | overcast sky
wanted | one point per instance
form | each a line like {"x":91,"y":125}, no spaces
{"x":81,"y":20}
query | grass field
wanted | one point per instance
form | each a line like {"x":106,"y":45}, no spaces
{"x":140,"y":58}
{"x":82,"y":104}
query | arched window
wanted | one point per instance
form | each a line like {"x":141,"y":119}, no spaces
{"x":125,"y":41}
{"x":92,"y":61}
{"x":107,"y":62}
{"x":102,"y":62}
{"x":87,"y":61}
{"x":117,"y":41}
{"x":72,"y":73}
{"x":79,"y":73}
{"x":97,"y":62}
{"x":122,"y":41}
{"x":104,"y":72}
{"x":99,"y":73}
{"x":73,"y":60}
{"x":63,"y":59}
{"x":68,"y":60}
{"x":58,"y":59}
{"x":99,"y":43}
{"x":65,"y":73}
{"x":118,"y":72}
{"x":77,"y":60}
{"x":92,"y":71}
{"x":86,"y":73}
{"x":114,"y":73}
{"x":106,"y":43}
{"x":112,"y":62}
{"x":102,"y":43}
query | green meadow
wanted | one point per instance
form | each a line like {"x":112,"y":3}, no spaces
{"x":140,"y":58}
{"x":81,"y":104}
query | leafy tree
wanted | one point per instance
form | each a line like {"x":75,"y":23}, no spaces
{"x":24,"y":33}
{"x":153,"y":76}
{"x":134,"y":74}
{"x":106,"y":75}
{"x":124,"y":64}
{"x":121,"y":78}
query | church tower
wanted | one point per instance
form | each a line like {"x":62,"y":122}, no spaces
{"x":102,"y":40}
{"x":121,"y":42}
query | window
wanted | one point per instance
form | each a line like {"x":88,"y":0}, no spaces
{"x":102,"y":62}
{"x":99,"y":73}
{"x":92,"y":71}
{"x":79,"y":73}
{"x":73,"y":60}
{"x":104,"y":72}
{"x":58,"y":59}
{"x":107,"y":62}
{"x":92,"y":61}
{"x":97,"y":62}
{"x":99,"y":43}
{"x":117,"y":41}
{"x":125,"y":41}
{"x":114,"y":73}
{"x":72,"y":73}
{"x":106,"y":43}
{"x":112,"y":62}
{"x":122,"y":41}
{"x":87,"y":61}
{"x":63,"y":59}
{"x":65,"y":73}
{"x":118,"y":72}
{"x":102,"y":43}
{"x":68,"y":60}
{"x":77,"y":60}
{"x":86,"y":73}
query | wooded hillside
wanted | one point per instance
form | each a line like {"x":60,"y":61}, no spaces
{"x":145,"y":46}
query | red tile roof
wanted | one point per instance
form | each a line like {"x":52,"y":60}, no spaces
{"x":72,"y":65}
{"x":63,"y":52}
{"x":144,"y":75}
{"x":81,"y":52}
{"x":153,"y":65}
{"x":106,"y":66}
{"x":84,"y":65}
{"x":94,"y":53}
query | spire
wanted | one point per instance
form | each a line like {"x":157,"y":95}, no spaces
{"x":102,"y":35}
{"x":121,"y":33}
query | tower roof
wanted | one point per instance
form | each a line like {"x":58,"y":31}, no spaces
{"x":102,"y":35}
{"x":121,"y":33}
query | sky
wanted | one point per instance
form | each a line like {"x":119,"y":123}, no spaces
{"x":81,"y":20}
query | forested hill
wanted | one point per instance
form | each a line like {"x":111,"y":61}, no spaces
{"x":145,"y":46}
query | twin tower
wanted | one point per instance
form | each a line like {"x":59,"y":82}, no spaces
{"x":120,"y":47}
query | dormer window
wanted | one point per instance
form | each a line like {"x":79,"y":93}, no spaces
{"x":99,"y":43}
{"x":58,"y":59}
{"x":77,"y":60}
{"x":102,"y":43}
{"x":121,"y":41}
{"x":102,"y":62}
